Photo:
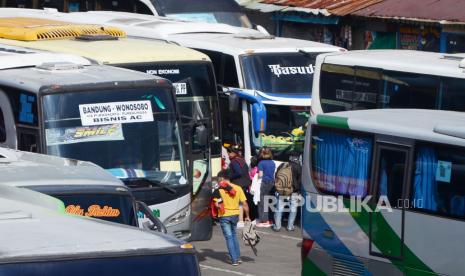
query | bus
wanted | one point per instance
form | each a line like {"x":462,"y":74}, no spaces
{"x":38,"y":238}
{"x":384,"y":193}
{"x":388,"y":79}
{"x":273,"y":73}
{"x":192,"y":74}
{"x":213,"y":11}
{"x":124,"y":121}
{"x":83,"y":187}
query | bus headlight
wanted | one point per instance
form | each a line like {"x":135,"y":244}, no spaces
{"x":178,"y":217}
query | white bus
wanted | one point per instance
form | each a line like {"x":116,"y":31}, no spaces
{"x":274,"y":74}
{"x":408,"y":166}
{"x":38,"y":238}
{"x":85,"y":188}
{"x":388,"y":79}
{"x":190,"y":71}
{"x":127,"y":122}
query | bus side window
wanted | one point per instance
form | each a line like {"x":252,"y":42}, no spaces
{"x":437,"y":186}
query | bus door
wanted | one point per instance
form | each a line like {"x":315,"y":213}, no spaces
{"x":389,"y":183}
{"x":199,"y":170}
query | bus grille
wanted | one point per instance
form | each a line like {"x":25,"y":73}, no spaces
{"x":343,"y":267}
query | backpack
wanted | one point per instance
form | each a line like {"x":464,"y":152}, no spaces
{"x":250,"y":236}
{"x":283,"y":179}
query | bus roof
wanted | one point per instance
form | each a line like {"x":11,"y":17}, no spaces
{"x":58,"y":76}
{"x":122,"y":51}
{"x":26,"y":169}
{"x":105,"y":51}
{"x":30,"y":197}
{"x":16,"y":57}
{"x":438,"y":126}
{"x":246,"y":43}
{"x":159,"y":24}
{"x":31,"y":233}
{"x":208,"y":36}
{"x":148,"y":25}
{"x":400,"y":60}
{"x":215,"y":37}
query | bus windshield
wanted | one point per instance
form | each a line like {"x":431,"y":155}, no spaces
{"x":280,"y":73}
{"x":211,"y":11}
{"x":285,"y":129}
{"x":132,"y":133}
{"x":195,"y":92}
{"x":106,"y":206}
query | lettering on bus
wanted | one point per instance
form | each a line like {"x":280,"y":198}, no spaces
{"x":93,"y":211}
{"x":115,"y":112}
{"x":70,"y":135}
{"x":163,"y":72}
{"x":298,"y":70}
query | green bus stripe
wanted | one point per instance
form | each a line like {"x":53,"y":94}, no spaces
{"x":332,"y":121}
{"x":410,"y":259}
{"x":311,"y":269}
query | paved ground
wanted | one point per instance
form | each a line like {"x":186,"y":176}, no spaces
{"x":278,"y":254}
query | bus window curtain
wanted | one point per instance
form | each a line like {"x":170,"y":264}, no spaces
{"x":341,"y":163}
{"x":425,"y":185}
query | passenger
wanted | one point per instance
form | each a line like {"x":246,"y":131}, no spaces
{"x":239,"y":174}
{"x":253,"y":193}
{"x":292,"y":200}
{"x":230,"y":195}
{"x":266,"y":169}
{"x":253,"y":167}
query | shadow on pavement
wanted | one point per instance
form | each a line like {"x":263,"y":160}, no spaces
{"x":222,"y":256}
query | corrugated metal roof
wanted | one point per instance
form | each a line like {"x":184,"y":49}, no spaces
{"x":435,"y":10}
{"x":317,"y":7}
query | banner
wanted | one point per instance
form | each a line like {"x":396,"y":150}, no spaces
{"x":72,"y":135}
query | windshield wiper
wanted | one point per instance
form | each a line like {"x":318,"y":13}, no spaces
{"x":152,"y":182}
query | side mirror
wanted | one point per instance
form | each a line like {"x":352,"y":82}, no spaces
{"x":233,"y":103}
{"x":258,"y":117}
{"x":202,"y":135}
{"x":156,"y":224}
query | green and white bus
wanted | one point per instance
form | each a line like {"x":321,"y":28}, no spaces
{"x":412,"y":159}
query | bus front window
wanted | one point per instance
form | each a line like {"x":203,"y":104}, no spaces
{"x":285,"y":129}
{"x":195,"y":93}
{"x":280,"y":73}
{"x":131,"y":133}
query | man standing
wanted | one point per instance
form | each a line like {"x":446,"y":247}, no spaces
{"x":227,"y":200}
{"x":239,"y":175}
{"x":292,"y":199}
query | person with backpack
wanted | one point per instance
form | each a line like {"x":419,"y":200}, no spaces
{"x":287,"y":186}
{"x":226,"y":199}
{"x":266,"y":168}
